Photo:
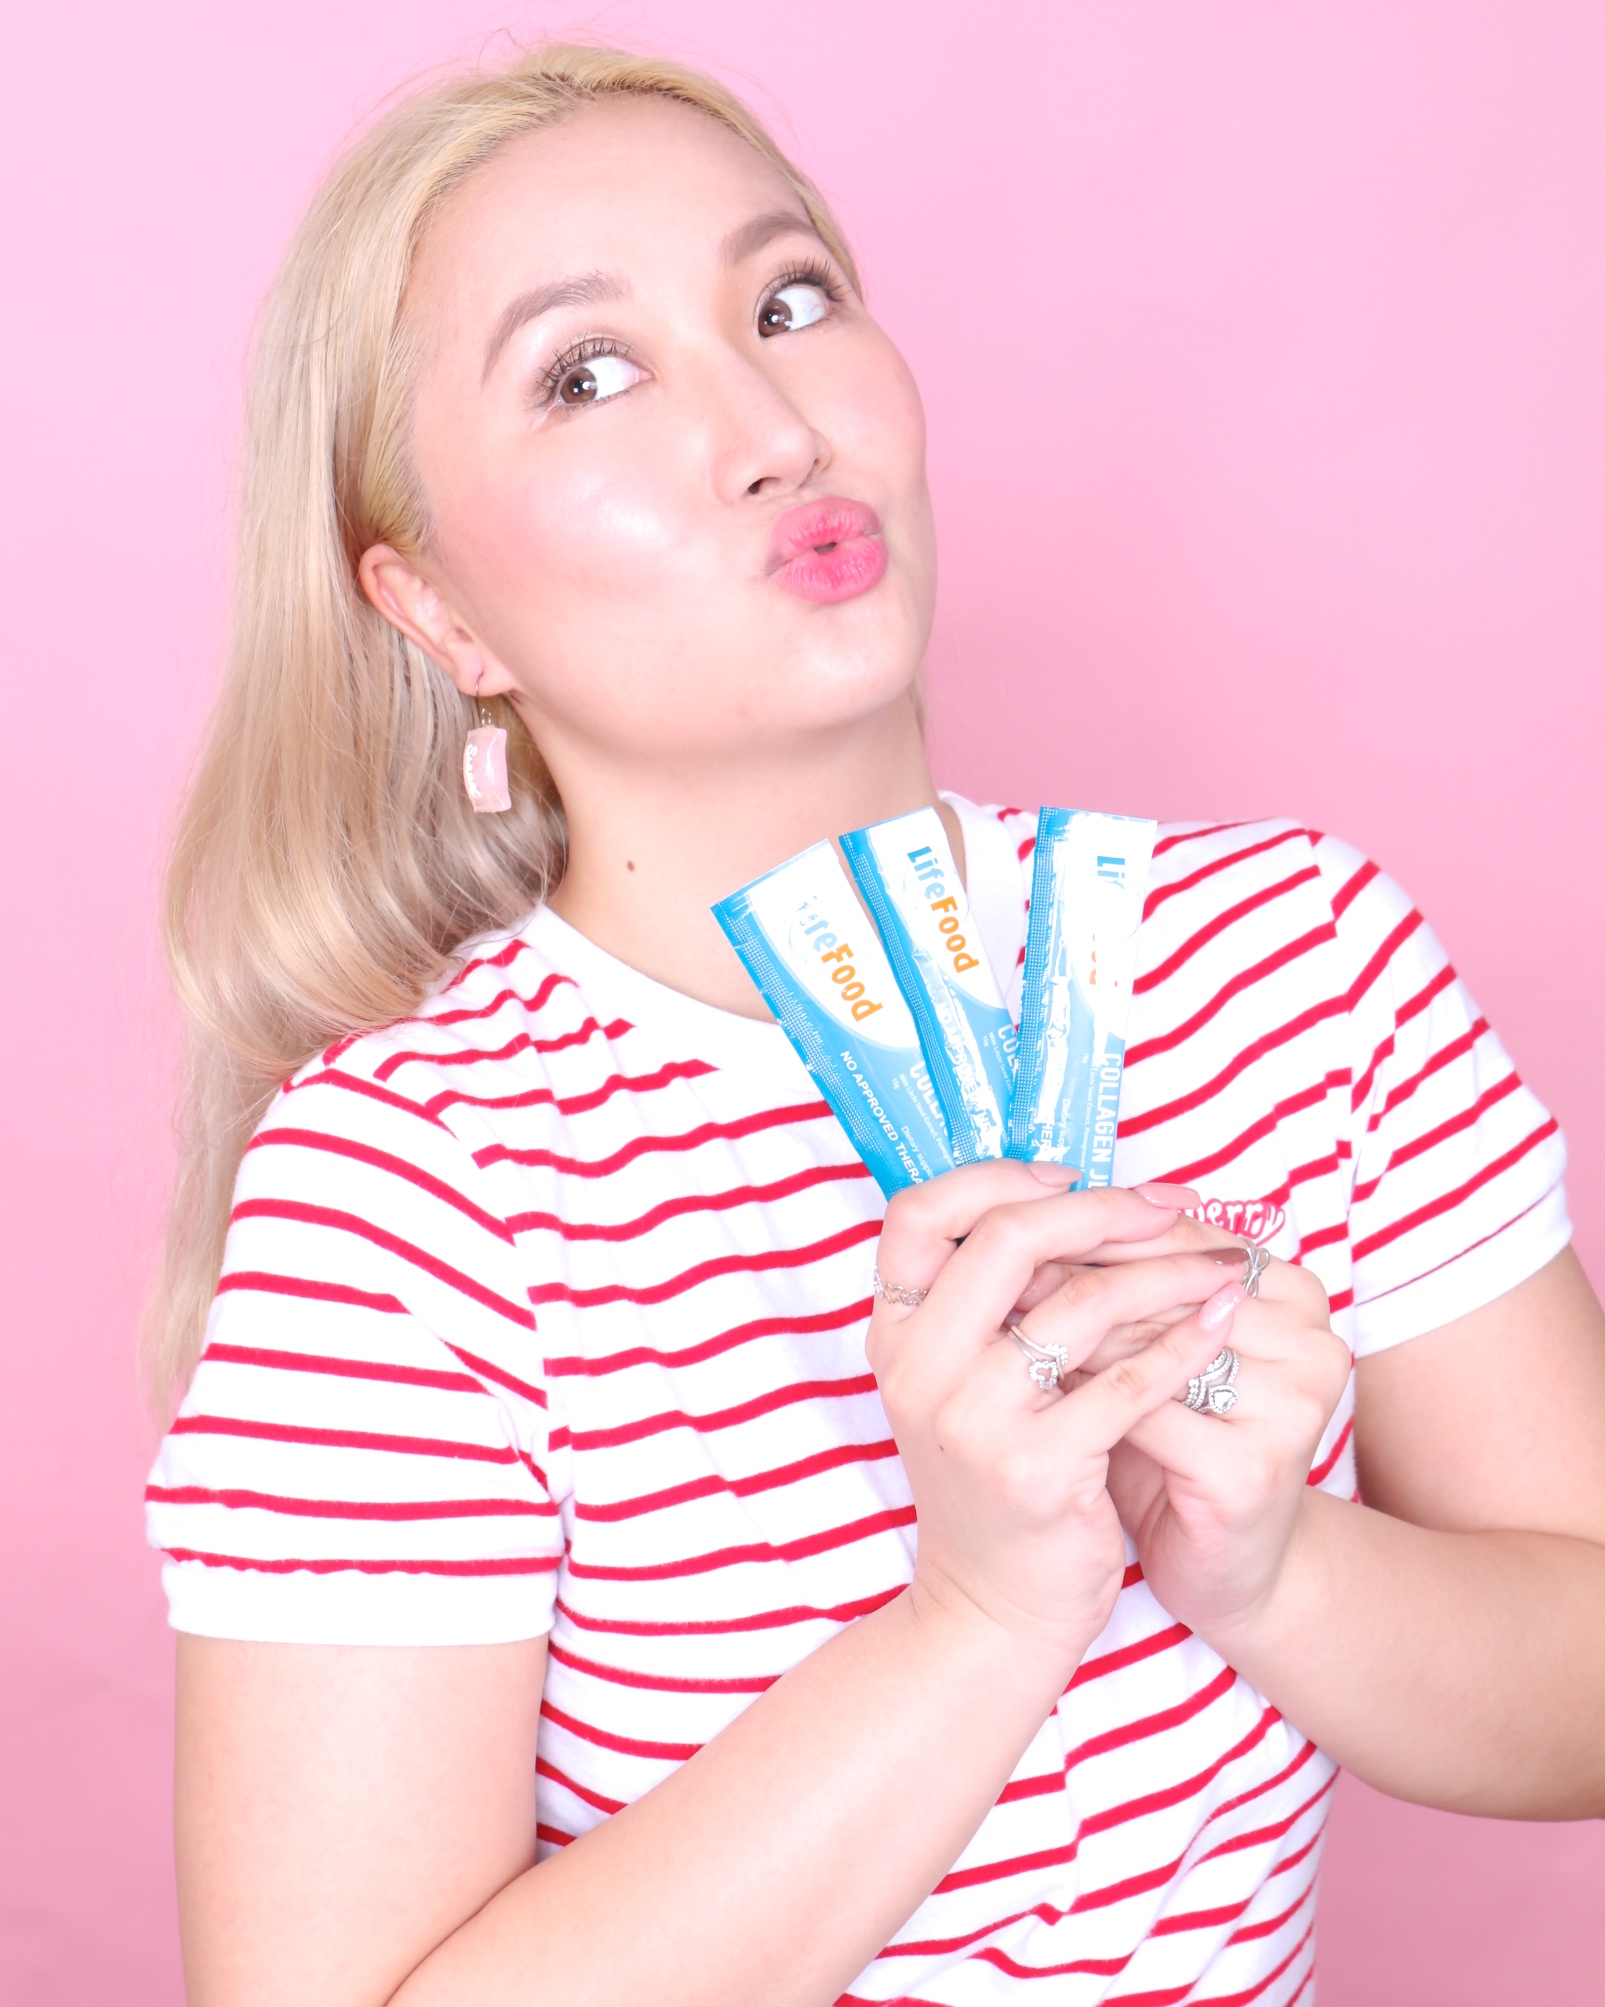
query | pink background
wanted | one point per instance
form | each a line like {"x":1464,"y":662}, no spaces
{"x":1263,"y":354}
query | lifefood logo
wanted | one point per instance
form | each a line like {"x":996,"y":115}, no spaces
{"x":836,"y":958}
{"x":927,"y":870}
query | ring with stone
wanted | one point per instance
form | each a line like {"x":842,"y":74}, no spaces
{"x":1047,"y":1364}
{"x":1214,"y":1391}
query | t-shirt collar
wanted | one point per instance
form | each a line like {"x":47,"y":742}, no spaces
{"x":725,"y":1039}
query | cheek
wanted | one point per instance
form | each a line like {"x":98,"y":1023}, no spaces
{"x":894,"y":422}
{"x":876,"y":415}
{"x":596,"y":517}
{"x":906,"y":416}
{"x":877,"y":424}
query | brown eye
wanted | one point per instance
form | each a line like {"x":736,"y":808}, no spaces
{"x":798,"y":305}
{"x":596,"y":379}
{"x":579,"y":386}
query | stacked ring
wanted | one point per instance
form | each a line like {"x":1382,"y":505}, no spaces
{"x":1214,"y":1391}
{"x":1046,"y":1364}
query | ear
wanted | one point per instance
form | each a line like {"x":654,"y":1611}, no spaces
{"x":414,"y":607}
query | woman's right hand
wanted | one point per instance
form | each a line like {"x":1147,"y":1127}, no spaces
{"x":1016,"y":1526}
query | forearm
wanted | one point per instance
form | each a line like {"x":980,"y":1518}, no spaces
{"x":775,"y":1864}
{"x":1461,"y":1670}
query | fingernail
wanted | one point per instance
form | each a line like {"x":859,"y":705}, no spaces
{"x":1058,"y":1175}
{"x":1176,"y":1198}
{"x":1218,"y":1310}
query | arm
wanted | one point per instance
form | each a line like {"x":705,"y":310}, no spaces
{"x":1446,"y":1640}
{"x":355,"y":1824}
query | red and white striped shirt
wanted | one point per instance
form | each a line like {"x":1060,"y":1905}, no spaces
{"x":543,"y":1312}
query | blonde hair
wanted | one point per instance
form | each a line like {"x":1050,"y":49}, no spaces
{"x":328,"y":863}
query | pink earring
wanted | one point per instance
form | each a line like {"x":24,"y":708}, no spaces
{"x":485,"y":763}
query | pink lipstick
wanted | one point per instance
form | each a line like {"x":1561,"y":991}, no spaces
{"x":827,"y":551}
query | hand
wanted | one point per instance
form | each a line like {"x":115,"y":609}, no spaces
{"x":1016,"y":1525}
{"x":1214,"y":1503}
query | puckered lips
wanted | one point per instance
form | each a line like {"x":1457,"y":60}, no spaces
{"x":827,"y":550}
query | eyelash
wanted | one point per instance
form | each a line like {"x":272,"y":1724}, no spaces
{"x":810,"y":274}
{"x":576,"y":353}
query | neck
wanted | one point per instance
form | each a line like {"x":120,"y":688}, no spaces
{"x":653,"y":845}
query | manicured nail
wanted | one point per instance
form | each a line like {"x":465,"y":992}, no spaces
{"x":1058,"y":1175}
{"x":1175,"y":1198}
{"x":1218,"y":1310}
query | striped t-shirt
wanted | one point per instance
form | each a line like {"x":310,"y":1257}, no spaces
{"x":543,"y":1311}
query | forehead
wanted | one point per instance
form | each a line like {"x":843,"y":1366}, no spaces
{"x":628,"y":186}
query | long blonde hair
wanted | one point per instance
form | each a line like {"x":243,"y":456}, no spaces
{"x":328,"y":864}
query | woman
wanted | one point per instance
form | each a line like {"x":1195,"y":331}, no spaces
{"x":540,"y":1516}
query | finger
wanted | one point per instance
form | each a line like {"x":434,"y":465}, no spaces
{"x":1281,"y":1395}
{"x":1198,"y":1449}
{"x":1091,"y":1302}
{"x":1134,"y":1480}
{"x":1123,"y":1339}
{"x":1290,"y":1379}
{"x":1263,"y":1331}
{"x":1259,"y":1341}
{"x":1053,"y":1275}
{"x":1288,"y":1310}
{"x":925,"y":1222}
{"x":1293,"y":1286}
{"x":982,"y":1281}
{"x":1180,"y":1196}
{"x":1111,"y":1405}
{"x":1044,"y":1281}
{"x":1183,"y":1236}
{"x":1222,"y":1453}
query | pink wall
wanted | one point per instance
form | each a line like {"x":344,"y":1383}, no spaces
{"x":1262,"y":347}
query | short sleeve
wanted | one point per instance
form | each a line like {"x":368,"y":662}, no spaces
{"x":1457,"y":1166}
{"x":363,"y":1454}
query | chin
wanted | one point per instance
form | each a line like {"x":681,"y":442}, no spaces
{"x":865,"y":651}
{"x":847,"y":687}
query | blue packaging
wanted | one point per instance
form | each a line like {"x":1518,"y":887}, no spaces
{"x":809,"y":946}
{"x":906,"y":874}
{"x":1089,"y":882}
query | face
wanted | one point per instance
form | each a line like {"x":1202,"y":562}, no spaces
{"x":675,"y":473}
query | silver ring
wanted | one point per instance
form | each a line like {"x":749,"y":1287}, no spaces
{"x":894,"y":1292}
{"x":1258,"y":1261}
{"x":1045,"y":1363}
{"x":1214,"y":1391}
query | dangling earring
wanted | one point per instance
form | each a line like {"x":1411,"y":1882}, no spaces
{"x":485,"y":762}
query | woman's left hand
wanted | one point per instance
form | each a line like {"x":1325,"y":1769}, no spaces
{"x":1212,"y":1501}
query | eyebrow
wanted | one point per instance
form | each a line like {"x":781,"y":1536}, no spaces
{"x":748,"y":239}
{"x":543,"y":300}
{"x":744,"y":242}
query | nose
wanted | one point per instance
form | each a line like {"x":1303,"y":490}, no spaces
{"x":762,"y":443}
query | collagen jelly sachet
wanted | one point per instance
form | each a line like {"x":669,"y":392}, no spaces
{"x":906,"y":874}
{"x":810,"y":947}
{"x":1089,"y":880}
